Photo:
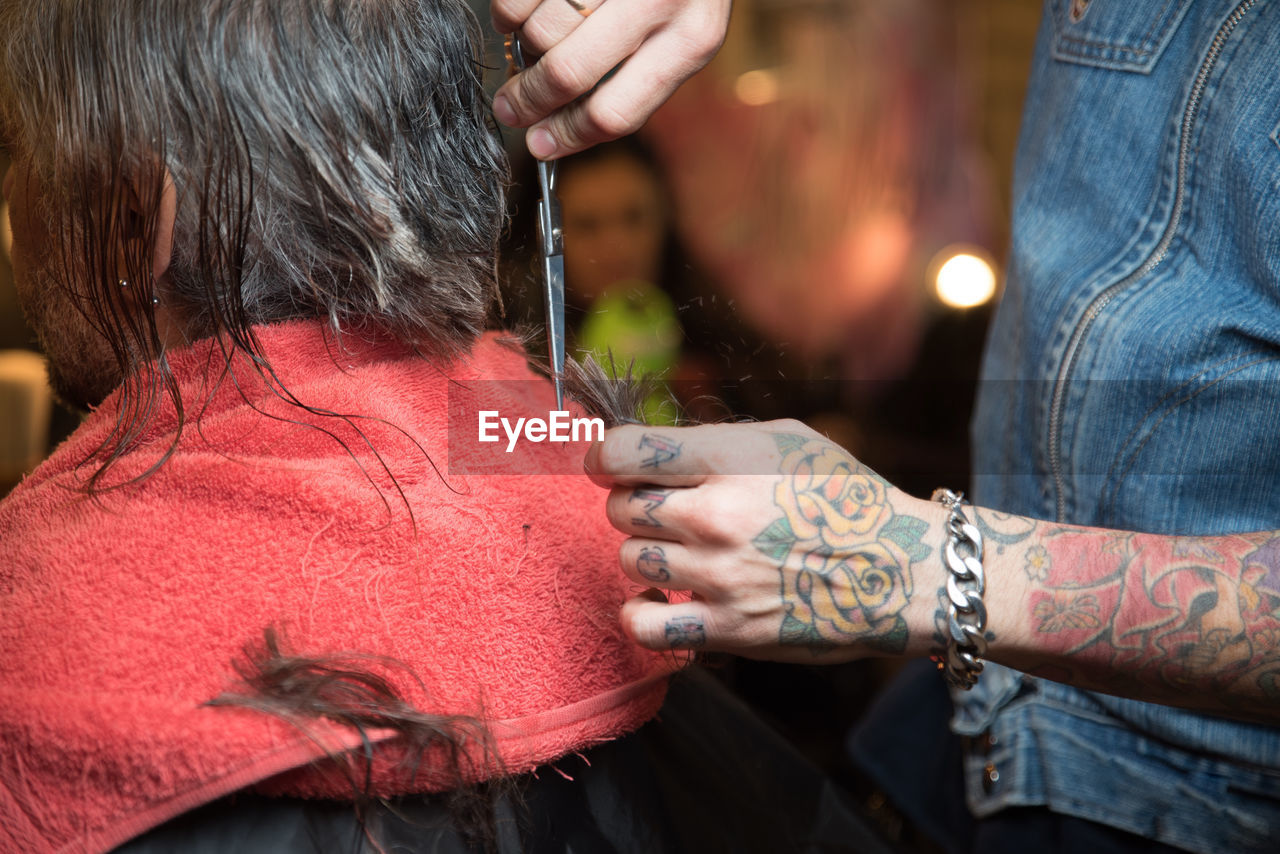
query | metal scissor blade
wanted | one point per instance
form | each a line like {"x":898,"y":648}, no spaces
{"x":551,"y":247}
{"x":553,"y":291}
{"x":551,"y":244}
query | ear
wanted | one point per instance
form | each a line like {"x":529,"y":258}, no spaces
{"x":165,"y":218}
{"x":135,"y":201}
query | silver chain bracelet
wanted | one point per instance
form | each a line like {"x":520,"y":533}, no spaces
{"x":966,"y":614}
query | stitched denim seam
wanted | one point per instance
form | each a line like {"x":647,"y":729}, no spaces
{"x":1160,"y":404}
{"x":1137,"y":52}
{"x":1116,"y":48}
{"x":1146,"y":235}
{"x":1116,"y":269}
{"x":1169,"y":411}
{"x":1145,"y":39}
{"x":1120,"y":265}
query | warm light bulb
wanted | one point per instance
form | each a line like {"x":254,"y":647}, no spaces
{"x":964,"y":279}
{"x":757,"y":88}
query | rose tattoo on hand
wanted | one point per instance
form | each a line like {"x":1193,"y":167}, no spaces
{"x":844,"y":555}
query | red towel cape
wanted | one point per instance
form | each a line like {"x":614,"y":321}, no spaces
{"x":121,"y":616}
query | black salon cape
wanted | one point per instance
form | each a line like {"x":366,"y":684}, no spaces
{"x":705,"y":776}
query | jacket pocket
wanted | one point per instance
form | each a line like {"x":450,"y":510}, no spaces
{"x":1123,"y":35}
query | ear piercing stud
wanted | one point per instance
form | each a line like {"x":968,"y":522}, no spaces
{"x":124,"y":283}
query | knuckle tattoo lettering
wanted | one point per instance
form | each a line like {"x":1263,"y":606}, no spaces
{"x":662,"y":450}
{"x":652,"y":564}
{"x":685,"y":632}
{"x":651,"y":500}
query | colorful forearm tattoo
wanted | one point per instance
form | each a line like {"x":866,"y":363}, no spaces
{"x":1173,"y":613}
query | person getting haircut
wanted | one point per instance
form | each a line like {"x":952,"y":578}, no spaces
{"x":260,"y":600}
{"x":257,"y":241}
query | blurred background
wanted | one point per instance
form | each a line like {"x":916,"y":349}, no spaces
{"x":813,"y":227}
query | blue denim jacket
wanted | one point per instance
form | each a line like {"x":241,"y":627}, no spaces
{"x":1132,"y":381}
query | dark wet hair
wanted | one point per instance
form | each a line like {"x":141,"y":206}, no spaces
{"x":332,"y":159}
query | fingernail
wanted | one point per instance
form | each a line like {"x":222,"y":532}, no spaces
{"x":541,"y":143}
{"x":502,"y":109}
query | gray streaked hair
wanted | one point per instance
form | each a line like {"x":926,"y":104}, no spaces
{"x":331,"y":158}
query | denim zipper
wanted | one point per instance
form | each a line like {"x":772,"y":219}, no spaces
{"x":1157,"y":255}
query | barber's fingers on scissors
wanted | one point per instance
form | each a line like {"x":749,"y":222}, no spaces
{"x":549,"y":97}
{"x":663,"y":42}
{"x":567,"y":69}
{"x":541,"y":23}
{"x":618,"y":107}
{"x":508,"y":15}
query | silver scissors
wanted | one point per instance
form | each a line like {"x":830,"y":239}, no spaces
{"x":551,"y":248}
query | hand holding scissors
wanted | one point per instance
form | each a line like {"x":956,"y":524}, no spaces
{"x":651,"y":46}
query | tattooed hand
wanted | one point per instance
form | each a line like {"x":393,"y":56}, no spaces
{"x":793,"y":550}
